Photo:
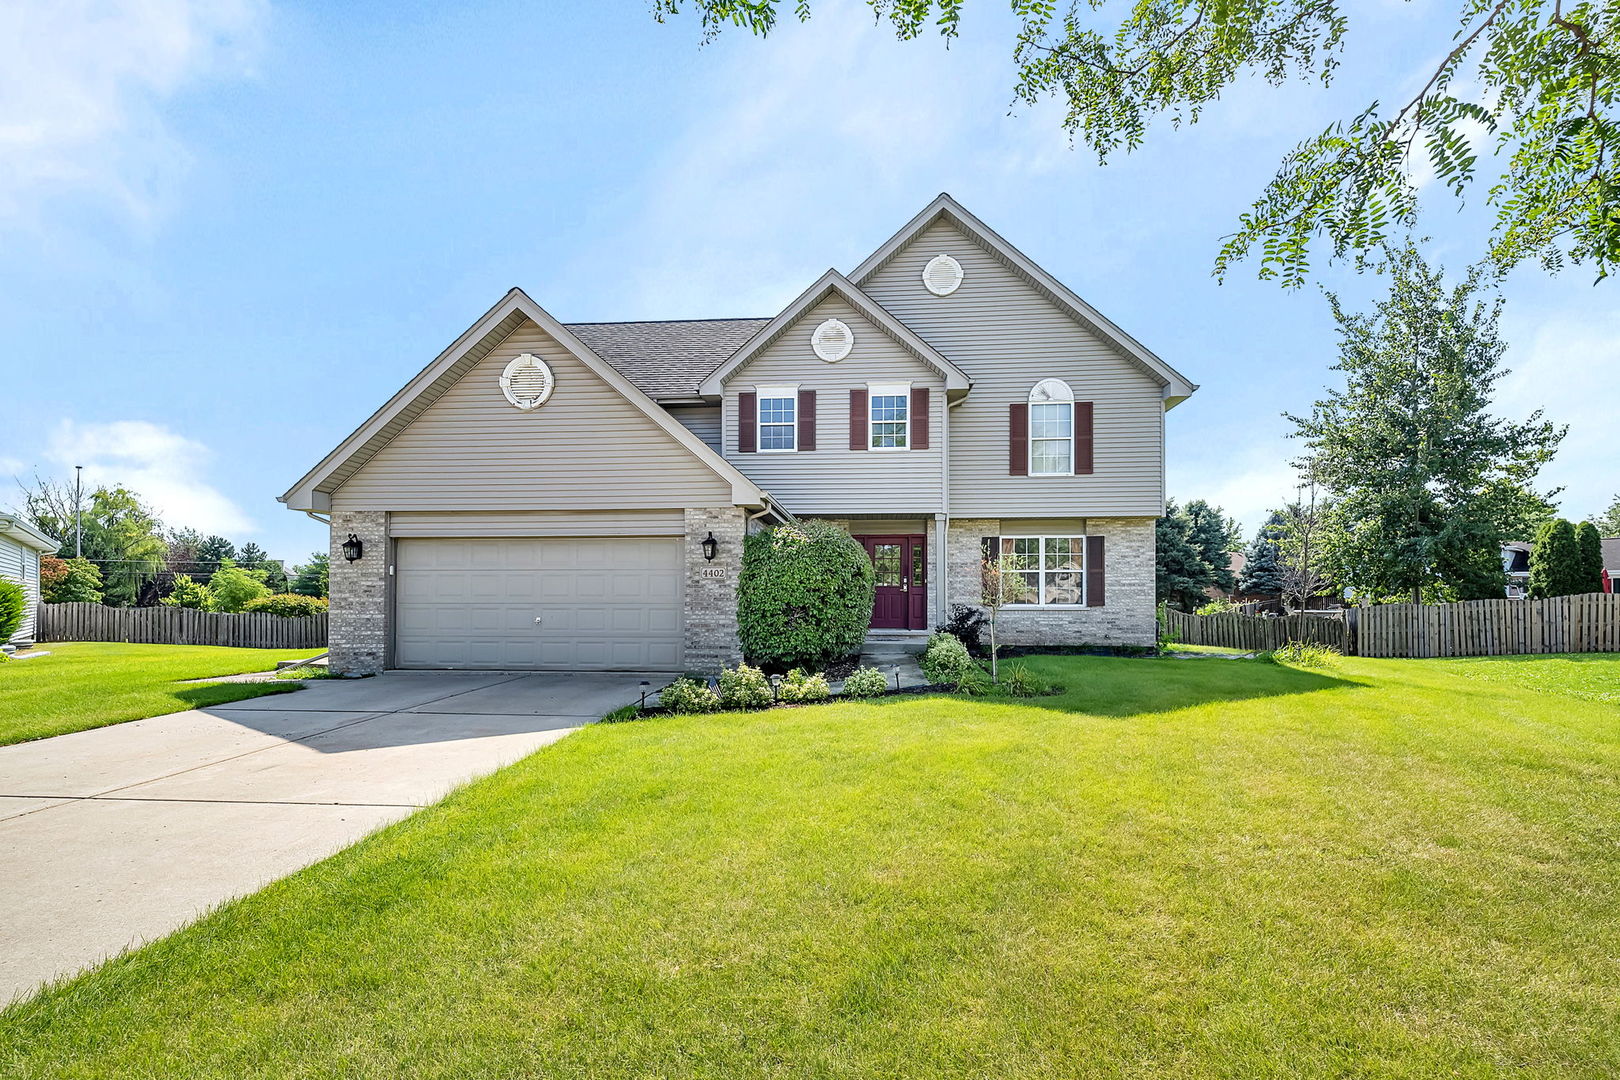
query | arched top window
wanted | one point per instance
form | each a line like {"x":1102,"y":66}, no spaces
{"x":1051,"y":429}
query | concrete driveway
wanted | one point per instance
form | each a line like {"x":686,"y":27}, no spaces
{"x":119,"y":835}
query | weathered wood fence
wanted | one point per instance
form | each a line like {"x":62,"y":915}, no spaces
{"x":178,"y":626}
{"x":1589,"y":622}
{"x":1256,"y":632}
{"x":1586,"y":623}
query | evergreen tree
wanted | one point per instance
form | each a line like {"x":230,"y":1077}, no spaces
{"x":1182,"y":576}
{"x":1425,"y":480}
{"x":311,"y":579}
{"x":1589,"y":558}
{"x":212,"y":552}
{"x":1262,"y":567}
{"x":251,"y":556}
{"x":1214,"y":536}
{"x":1555,"y":561}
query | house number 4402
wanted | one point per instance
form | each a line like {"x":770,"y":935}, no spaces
{"x":714,"y":572}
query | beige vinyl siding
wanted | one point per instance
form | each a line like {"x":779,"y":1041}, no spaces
{"x":21,"y":565}
{"x":1008,"y":336}
{"x":474,"y":523}
{"x":585,"y":448}
{"x":702,"y":421}
{"x":834,"y":478}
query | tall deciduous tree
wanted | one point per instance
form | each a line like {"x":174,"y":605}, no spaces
{"x":1608,"y":522}
{"x":121,"y":536}
{"x":1533,"y":80}
{"x":1426,"y":481}
{"x":1306,"y":539}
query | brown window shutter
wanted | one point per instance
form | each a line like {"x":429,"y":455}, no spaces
{"x":1018,"y":439}
{"x":859,"y":434}
{"x":1082,"y":438}
{"x":1095,"y":590}
{"x":807,"y":419}
{"x":747,"y":422}
{"x":919,"y":418}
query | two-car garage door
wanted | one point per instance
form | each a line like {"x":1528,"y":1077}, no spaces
{"x":570,"y":604}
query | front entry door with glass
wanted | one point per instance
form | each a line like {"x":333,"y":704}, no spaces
{"x":900,"y":566}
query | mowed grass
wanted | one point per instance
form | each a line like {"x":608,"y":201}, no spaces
{"x":1593,"y":676}
{"x":84,"y":685}
{"x":1178,"y":868}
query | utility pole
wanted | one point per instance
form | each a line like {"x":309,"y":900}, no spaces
{"x":78,"y":516}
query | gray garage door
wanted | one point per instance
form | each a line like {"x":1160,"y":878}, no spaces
{"x":598,"y":603}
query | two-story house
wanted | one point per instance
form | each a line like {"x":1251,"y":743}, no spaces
{"x":575,"y":496}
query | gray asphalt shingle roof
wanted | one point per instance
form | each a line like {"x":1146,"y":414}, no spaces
{"x":667,"y":359}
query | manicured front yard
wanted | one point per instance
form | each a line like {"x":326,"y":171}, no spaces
{"x":1179,"y":868}
{"x":91,"y":684}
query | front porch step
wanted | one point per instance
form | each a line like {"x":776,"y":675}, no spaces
{"x":894,"y":643}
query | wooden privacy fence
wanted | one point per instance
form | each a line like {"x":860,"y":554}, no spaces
{"x":1254,"y":632}
{"x":1589,"y":622}
{"x":178,"y":626}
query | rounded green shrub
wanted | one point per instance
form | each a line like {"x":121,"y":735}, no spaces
{"x":288,"y":605}
{"x":686,"y":695}
{"x":946,"y":660}
{"x":801,"y":688}
{"x":804,"y":596}
{"x":866,"y":682}
{"x":13,"y":606}
{"x":744,"y":687}
{"x":187,"y":593}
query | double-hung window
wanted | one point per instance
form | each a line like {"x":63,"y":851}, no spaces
{"x":1043,"y":571}
{"x":1051,"y":429}
{"x":778,"y":418}
{"x":889,"y":416}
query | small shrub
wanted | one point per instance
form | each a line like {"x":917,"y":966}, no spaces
{"x":1019,"y":681}
{"x":804,"y":598}
{"x":974,"y":682}
{"x":946,"y":659}
{"x":866,"y":682}
{"x":234,"y":587}
{"x":1304,"y":654}
{"x":69,"y":581}
{"x":800,"y":688}
{"x":1218,"y":606}
{"x":189,"y":594}
{"x":688,"y":695}
{"x":744,"y":687}
{"x":13,"y":606}
{"x":966,"y":624}
{"x":288,"y":605}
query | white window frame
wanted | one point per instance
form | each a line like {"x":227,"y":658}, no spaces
{"x":875,"y":391}
{"x":775,"y":393}
{"x":1038,"y":399}
{"x":1042,"y":571}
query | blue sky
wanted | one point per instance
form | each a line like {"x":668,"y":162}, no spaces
{"x":231,"y":229}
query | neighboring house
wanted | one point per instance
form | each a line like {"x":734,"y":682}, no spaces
{"x":575,"y":496}
{"x":21,"y":545}
{"x":1516,"y":564}
{"x":1611,"y":564}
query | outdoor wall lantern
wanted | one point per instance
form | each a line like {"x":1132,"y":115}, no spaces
{"x":352,"y":548}
{"x":711,"y":547}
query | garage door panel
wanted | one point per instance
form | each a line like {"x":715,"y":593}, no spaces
{"x":610,"y":602}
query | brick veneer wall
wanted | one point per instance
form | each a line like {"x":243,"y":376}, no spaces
{"x":1126,"y":617}
{"x":357,"y":630}
{"x":711,"y":601}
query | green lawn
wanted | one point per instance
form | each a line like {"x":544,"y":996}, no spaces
{"x":1593,"y":676}
{"x":84,"y":685}
{"x":1179,"y":868}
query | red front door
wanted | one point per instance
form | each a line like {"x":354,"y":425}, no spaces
{"x":899,"y":564}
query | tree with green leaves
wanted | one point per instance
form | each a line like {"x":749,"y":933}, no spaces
{"x":1534,"y":81}
{"x":69,"y":581}
{"x":212,"y":552}
{"x":188,"y":593}
{"x":1426,"y":482}
{"x":1589,"y":558}
{"x":233,"y":587}
{"x":1555,"y":562}
{"x":1608,"y":522}
{"x":122,"y":537}
{"x":1262,"y":569}
{"x":1184,"y":572}
{"x":1215,"y":536}
{"x":312,"y":578}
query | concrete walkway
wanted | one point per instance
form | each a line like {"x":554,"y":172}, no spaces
{"x":112,"y":837}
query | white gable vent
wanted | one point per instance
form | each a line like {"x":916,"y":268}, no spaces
{"x":943,"y":275}
{"x":527,"y":382}
{"x":832,"y":341}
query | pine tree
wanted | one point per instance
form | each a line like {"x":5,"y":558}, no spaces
{"x":1262,"y":568}
{"x":1182,"y":577}
{"x":1589,"y":558}
{"x":1214,"y":536}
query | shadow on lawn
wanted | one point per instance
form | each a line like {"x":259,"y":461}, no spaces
{"x":1105,"y":686}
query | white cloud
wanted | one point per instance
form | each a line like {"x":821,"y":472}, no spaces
{"x":81,"y":89}
{"x":163,"y":467}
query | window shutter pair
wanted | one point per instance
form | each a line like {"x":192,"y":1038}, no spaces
{"x":918,"y":416}
{"x":748,"y":421}
{"x":1018,"y":438}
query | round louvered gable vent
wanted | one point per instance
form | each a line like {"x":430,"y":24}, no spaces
{"x":832,"y":341}
{"x":943,"y":275}
{"x":527,"y":382}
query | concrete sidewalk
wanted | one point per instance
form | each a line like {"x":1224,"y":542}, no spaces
{"x":112,"y":837}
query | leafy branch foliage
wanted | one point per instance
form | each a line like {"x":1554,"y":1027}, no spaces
{"x":1531,"y":80}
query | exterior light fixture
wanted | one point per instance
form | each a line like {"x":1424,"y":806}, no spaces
{"x":352,"y":548}
{"x":711,"y":547}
